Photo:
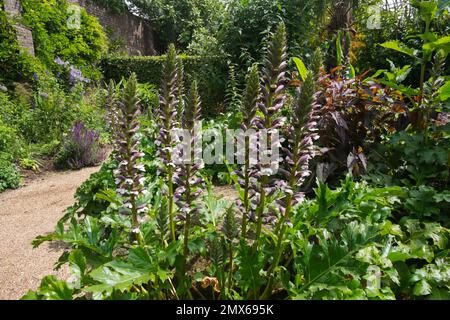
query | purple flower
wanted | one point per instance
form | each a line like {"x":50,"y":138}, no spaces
{"x":83,"y":147}
{"x":60,"y":62}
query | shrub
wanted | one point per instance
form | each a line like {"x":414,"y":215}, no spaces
{"x":10,"y":142}
{"x":148,"y":94}
{"x":211,"y":73}
{"x":81,"y":149}
{"x":14,"y":64}
{"x":9,"y":176}
{"x":81,"y":47}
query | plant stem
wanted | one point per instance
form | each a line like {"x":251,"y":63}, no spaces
{"x":260,"y":212}
{"x":246,"y":187}
{"x":230,"y":275}
{"x":282,"y":223}
{"x":425,"y":59}
{"x":187,"y":226}
{"x":170,"y":206}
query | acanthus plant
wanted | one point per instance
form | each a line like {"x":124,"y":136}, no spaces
{"x":130,"y":172}
{"x":302,"y":133}
{"x":273,"y":99}
{"x":167,"y":122}
{"x":249,"y":107}
{"x":186,"y":175}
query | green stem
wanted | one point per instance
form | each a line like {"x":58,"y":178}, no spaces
{"x":187,"y":227}
{"x":230,"y":275}
{"x":260,"y":213}
{"x":221,"y":275}
{"x":246,"y":187}
{"x":425,"y":59}
{"x":170,"y":206}
{"x":281,"y":228}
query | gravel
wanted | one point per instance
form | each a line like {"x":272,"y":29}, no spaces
{"x":25,"y":214}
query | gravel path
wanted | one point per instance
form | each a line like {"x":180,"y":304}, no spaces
{"x":25,"y":214}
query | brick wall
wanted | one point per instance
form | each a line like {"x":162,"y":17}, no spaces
{"x":136,"y":34}
{"x":24,"y":35}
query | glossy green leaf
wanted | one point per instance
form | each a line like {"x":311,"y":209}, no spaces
{"x":444,"y":92}
{"x":302,"y":70}
{"x":422,"y":288}
{"x":440,"y":44}
{"x":339,"y":52}
{"x":399,"y":47}
{"x":119,"y":275}
{"x":51,"y":289}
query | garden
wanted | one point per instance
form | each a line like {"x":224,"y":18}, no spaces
{"x":272,"y":150}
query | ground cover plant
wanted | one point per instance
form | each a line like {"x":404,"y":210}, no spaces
{"x":336,"y":164}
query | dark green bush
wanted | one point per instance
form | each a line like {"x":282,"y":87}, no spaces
{"x":210,"y":72}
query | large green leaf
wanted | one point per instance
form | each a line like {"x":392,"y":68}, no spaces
{"x":440,"y":44}
{"x":51,"y":289}
{"x":122,"y":275}
{"x":400,"y":47}
{"x":339,"y":52}
{"x":444,"y":91}
{"x":319,"y":260}
{"x":77,"y":267}
{"x":302,"y":70}
{"x":249,"y":270}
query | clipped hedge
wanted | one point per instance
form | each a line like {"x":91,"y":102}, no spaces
{"x":210,"y":72}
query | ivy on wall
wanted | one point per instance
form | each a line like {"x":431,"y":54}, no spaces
{"x":53,"y":38}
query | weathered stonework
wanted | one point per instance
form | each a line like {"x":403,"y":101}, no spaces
{"x":136,"y":33}
{"x":24,"y":35}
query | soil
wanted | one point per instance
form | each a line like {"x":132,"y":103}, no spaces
{"x":25,"y":214}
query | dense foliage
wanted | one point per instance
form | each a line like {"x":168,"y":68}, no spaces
{"x":53,"y":37}
{"x":210,"y":72}
{"x":355,"y":205}
{"x":41,"y":97}
{"x":159,"y":232}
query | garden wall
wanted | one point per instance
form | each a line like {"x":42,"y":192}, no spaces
{"x":24,"y":35}
{"x":135,"y":32}
{"x":210,"y":72}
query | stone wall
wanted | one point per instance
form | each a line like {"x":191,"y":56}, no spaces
{"x":24,"y":35}
{"x":135,"y":33}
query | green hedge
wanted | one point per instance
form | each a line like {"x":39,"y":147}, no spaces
{"x":210,"y":72}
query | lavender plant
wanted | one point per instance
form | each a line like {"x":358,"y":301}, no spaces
{"x":167,"y":122}
{"x":82,"y":148}
{"x":130,"y":172}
